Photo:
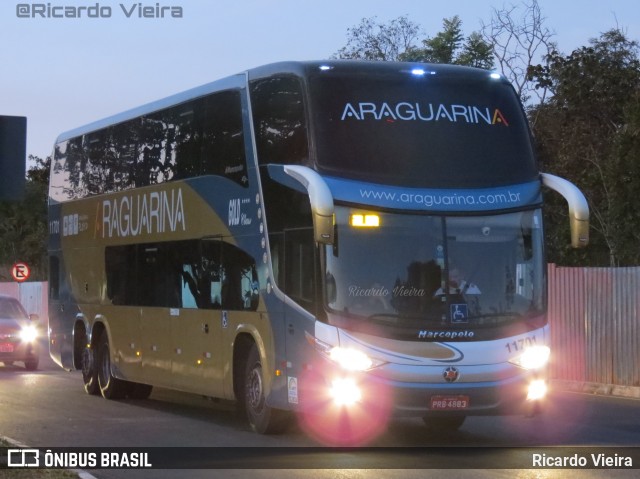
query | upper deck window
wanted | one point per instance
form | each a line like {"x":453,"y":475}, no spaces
{"x":203,"y":136}
{"x":420,"y":130}
{"x":279,"y":121}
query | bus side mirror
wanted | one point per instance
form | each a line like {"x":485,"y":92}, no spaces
{"x":321,"y":201}
{"x":578,"y":208}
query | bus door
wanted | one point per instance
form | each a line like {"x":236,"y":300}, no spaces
{"x":300,"y":282}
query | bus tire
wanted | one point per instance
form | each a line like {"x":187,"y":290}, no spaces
{"x":89,"y":370}
{"x":444,"y":424}
{"x":110,"y":387}
{"x":262,"y":418}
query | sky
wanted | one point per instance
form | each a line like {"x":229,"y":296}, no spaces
{"x":62,"y":73}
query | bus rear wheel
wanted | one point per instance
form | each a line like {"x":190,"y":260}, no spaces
{"x":89,"y":370}
{"x":110,"y":387}
{"x":262,"y":418}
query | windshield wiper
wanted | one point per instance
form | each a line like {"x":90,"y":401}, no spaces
{"x":385,"y":317}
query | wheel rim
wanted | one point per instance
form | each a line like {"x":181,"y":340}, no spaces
{"x":255,"y":396}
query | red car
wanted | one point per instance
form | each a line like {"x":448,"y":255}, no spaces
{"x":18,"y":334}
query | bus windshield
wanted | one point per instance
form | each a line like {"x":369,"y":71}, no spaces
{"x":406,"y":272}
{"x":406,"y":130}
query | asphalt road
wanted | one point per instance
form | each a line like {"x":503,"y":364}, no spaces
{"x":48,"y":408}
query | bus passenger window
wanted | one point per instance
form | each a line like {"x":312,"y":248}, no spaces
{"x":239,"y":280}
{"x":201,"y":283}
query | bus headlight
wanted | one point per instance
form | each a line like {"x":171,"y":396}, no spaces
{"x":533,"y":357}
{"x":351,"y":359}
{"x":28,"y":334}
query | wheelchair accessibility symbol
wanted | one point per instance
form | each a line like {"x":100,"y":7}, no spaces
{"x":459,"y":313}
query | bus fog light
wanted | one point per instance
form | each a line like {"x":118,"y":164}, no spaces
{"x":345,"y":392}
{"x":537,"y":390}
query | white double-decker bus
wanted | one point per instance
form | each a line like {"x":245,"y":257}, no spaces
{"x":346,"y":241}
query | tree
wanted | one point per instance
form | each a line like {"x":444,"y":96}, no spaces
{"x":450,"y":46}
{"x":23,"y":225}
{"x":378,"y":41}
{"x":588,"y":132}
{"x":518,"y":43}
{"x":396,"y":41}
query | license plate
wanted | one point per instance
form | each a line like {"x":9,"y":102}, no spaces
{"x":6,"y":348}
{"x":449,"y":403}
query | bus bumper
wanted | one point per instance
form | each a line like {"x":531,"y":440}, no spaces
{"x":518,"y":395}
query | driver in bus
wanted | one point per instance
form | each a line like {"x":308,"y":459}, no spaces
{"x":459,"y":285}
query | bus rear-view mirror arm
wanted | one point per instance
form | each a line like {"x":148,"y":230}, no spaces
{"x":578,"y":208}
{"x":321,"y":201}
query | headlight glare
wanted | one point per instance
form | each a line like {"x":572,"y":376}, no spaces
{"x":28,"y":334}
{"x":350,"y":359}
{"x":534,"y":357}
{"x":345,"y":391}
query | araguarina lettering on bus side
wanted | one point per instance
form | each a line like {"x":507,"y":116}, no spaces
{"x":143,"y":213}
{"x":405,"y":111}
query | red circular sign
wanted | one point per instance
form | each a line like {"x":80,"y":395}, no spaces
{"x":20,"y":272}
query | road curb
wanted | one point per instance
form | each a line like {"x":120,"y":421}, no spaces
{"x":82,"y":474}
{"x":628,"y":392}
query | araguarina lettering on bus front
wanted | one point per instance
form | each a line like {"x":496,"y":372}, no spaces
{"x":146,"y":213}
{"x":405,"y":111}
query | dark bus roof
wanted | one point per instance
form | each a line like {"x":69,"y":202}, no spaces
{"x":303,"y":69}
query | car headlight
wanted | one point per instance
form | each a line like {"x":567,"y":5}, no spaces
{"x":28,"y":334}
{"x":533,"y":357}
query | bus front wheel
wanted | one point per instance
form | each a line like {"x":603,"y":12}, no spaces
{"x":262,"y":418}
{"x":110,"y":387}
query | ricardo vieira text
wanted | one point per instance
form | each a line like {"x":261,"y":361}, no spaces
{"x":98,"y":10}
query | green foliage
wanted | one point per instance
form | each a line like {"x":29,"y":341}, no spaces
{"x":450,"y":46}
{"x":23,"y":225}
{"x":588,"y":133}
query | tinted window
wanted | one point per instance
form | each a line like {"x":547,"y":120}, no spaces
{"x":279,"y":121}
{"x":206,"y":274}
{"x":200,"y":137}
{"x":291,"y":242}
{"x":421,"y":131}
